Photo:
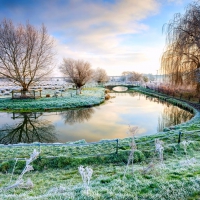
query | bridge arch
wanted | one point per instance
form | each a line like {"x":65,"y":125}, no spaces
{"x":110,"y":87}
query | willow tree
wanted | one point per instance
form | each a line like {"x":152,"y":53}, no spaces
{"x":25,"y":53}
{"x":181,"y":60}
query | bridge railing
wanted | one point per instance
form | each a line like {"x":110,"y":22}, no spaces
{"x":135,"y":83}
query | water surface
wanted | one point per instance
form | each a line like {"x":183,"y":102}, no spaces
{"x":107,"y":121}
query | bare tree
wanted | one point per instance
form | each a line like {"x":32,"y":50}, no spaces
{"x":125,"y":73}
{"x":25,"y":53}
{"x":181,"y":60}
{"x":145,"y":78}
{"x":100,"y":75}
{"x":134,"y":76}
{"x":78,"y":71}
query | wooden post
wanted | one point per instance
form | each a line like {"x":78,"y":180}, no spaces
{"x":117,"y":146}
{"x":179,"y":137}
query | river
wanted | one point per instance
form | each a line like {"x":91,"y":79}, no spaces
{"x":108,"y":121}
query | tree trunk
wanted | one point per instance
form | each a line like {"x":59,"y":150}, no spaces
{"x":78,"y":91}
{"x":198,"y":88}
{"x":198,"y":81}
{"x":23,"y":91}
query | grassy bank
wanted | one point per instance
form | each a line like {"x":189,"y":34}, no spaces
{"x":56,"y":170}
{"x":69,"y":99}
{"x":58,"y":178}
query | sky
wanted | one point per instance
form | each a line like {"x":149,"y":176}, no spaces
{"x":116,"y":35}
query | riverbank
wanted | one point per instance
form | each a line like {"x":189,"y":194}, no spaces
{"x":65,"y":100}
{"x":192,"y":107}
{"x":56,"y":173}
{"x":160,"y":95}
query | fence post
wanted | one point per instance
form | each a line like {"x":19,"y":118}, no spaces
{"x":39,"y":150}
{"x":179,"y":137}
{"x":117,"y":146}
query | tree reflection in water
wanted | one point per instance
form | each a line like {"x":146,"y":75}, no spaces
{"x":134,"y":94}
{"x":29,"y":129}
{"x":171,"y":115}
{"x":77,"y":116}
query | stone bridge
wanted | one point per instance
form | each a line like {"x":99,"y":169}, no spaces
{"x":110,"y":87}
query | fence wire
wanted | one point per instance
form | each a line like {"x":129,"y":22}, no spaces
{"x":106,"y":147}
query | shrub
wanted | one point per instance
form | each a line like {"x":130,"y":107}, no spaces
{"x":107,"y":97}
{"x":6,"y":166}
{"x":107,"y":91}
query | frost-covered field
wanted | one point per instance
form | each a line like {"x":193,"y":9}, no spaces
{"x":64,"y":99}
{"x":176,"y":177}
{"x":163,"y":168}
{"x":47,"y":87}
{"x":6,"y":87}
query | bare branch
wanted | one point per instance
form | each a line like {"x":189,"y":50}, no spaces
{"x":25,"y":53}
{"x":79,"y":71}
{"x":100,"y":75}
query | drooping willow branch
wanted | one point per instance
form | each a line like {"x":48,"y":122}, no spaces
{"x":180,"y":62}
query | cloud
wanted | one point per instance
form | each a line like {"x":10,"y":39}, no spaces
{"x":95,"y":30}
{"x":99,"y":27}
{"x":85,"y":24}
{"x":175,"y":1}
{"x":141,"y":59}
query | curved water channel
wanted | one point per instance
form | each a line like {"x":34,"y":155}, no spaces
{"x":108,"y":121}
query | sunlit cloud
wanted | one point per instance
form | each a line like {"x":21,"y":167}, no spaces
{"x":117,"y":35}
